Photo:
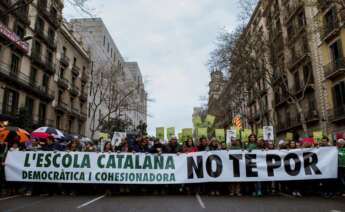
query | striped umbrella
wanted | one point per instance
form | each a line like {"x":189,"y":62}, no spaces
{"x":57,"y":134}
{"x":12,"y":134}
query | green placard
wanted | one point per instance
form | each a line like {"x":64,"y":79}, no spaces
{"x":160,"y":133}
{"x":187,"y":133}
{"x":289,"y":136}
{"x":220,"y":135}
{"x":317,"y":136}
{"x":245,"y":134}
{"x":341,"y":154}
{"x":202,"y":132}
{"x":197,"y":121}
{"x":209,"y":120}
{"x":260,"y":133}
{"x":238,"y":133}
{"x":170,"y":132}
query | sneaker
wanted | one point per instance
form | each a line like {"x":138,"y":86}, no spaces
{"x":28,"y":194}
{"x":231,"y":194}
{"x":343,"y":195}
{"x":294,"y":194}
{"x":212,"y":193}
{"x":217,"y":193}
{"x":239,"y":194}
{"x":298,"y":194}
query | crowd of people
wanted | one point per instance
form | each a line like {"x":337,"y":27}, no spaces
{"x":143,"y":144}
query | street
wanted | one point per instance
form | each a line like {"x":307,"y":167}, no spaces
{"x":170,"y":203}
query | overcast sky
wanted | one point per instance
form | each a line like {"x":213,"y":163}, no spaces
{"x":171,"y":41}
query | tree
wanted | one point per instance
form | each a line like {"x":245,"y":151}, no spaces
{"x":142,"y":128}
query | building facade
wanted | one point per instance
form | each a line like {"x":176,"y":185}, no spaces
{"x":303,"y":78}
{"x":110,"y":68}
{"x":28,"y":67}
{"x":42,"y":65}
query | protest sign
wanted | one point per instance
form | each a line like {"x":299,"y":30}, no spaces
{"x":187,"y":133}
{"x":199,"y":167}
{"x":202,"y":132}
{"x":289,"y":136}
{"x":260,"y":133}
{"x":230,"y":135}
{"x":104,"y":136}
{"x":245,"y":134}
{"x":160,"y":133}
{"x":318,"y":136}
{"x":268,"y":133}
{"x":197,"y":121}
{"x":170,"y":132}
{"x":220,"y":135}
{"x":117,"y":138}
{"x":209,"y":120}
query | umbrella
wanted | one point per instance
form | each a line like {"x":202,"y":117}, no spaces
{"x":57,"y":134}
{"x":8,"y":134}
{"x":40,"y":135}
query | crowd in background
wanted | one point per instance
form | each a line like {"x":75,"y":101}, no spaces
{"x":143,"y":144}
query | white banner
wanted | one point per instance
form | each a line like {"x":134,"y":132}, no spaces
{"x":213,"y":166}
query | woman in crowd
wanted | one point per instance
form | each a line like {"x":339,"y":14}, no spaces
{"x":189,"y":146}
{"x":214,"y":145}
{"x":173,"y":147}
{"x":107,"y":148}
{"x":203,"y":144}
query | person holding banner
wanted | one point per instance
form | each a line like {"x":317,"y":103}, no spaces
{"x":107,"y":148}
{"x":203,"y":144}
{"x":142,"y":145}
{"x":294,"y":185}
{"x":235,"y":188}
{"x":341,"y":156}
{"x":157,"y":147}
{"x":172,"y":147}
{"x":214,"y":145}
{"x":252,"y":145}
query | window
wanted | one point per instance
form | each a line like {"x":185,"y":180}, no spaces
{"x":58,"y":121}
{"x":39,"y":24}
{"x":45,"y":82}
{"x":74,"y":61}
{"x":42,"y":113}
{"x":20,"y":31}
{"x":49,"y":57}
{"x":15,"y":63}
{"x":60,"y":96}
{"x":37,"y":48}
{"x":297,"y":81}
{"x":29,"y":104}
{"x":339,"y":94}
{"x":311,"y":103}
{"x":104,"y":40}
{"x":336,"y":50}
{"x":330,"y":19}
{"x":290,"y":30}
{"x":307,"y":74}
{"x":33,"y":74}
{"x":301,"y":19}
{"x":51,"y":34}
{"x":73,"y":80}
{"x":62,"y":72}
{"x":10,"y":102}
{"x":64,"y":51}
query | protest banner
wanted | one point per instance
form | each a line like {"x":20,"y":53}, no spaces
{"x":220,"y":135}
{"x":268,"y":133}
{"x":117,"y":138}
{"x":199,"y":167}
{"x":160,"y":133}
{"x":201,"y":132}
{"x":170,"y":132}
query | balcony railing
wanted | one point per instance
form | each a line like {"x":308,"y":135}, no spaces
{"x":74,"y":90}
{"x":23,"y":81}
{"x":334,"y":68}
{"x":62,"y":106}
{"x":337,"y":114}
{"x":291,"y":9}
{"x":62,"y":82}
{"x":75,"y":70}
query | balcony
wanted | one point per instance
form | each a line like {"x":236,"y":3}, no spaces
{"x":75,"y":112}
{"x":62,"y":83}
{"x":291,"y":9}
{"x":330,"y":30}
{"x":23,"y":82}
{"x":324,"y":4}
{"x":337,"y":114}
{"x":37,"y":59}
{"x":298,"y":59}
{"x":75,"y":70}
{"x":74,"y":90}
{"x":62,"y":107}
{"x":7,"y":114}
{"x":84,"y":77}
{"x":64,"y":60}
{"x":83,"y":96}
{"x":335,"y":68}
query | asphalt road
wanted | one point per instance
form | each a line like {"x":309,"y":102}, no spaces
{"x":170,"y":203}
